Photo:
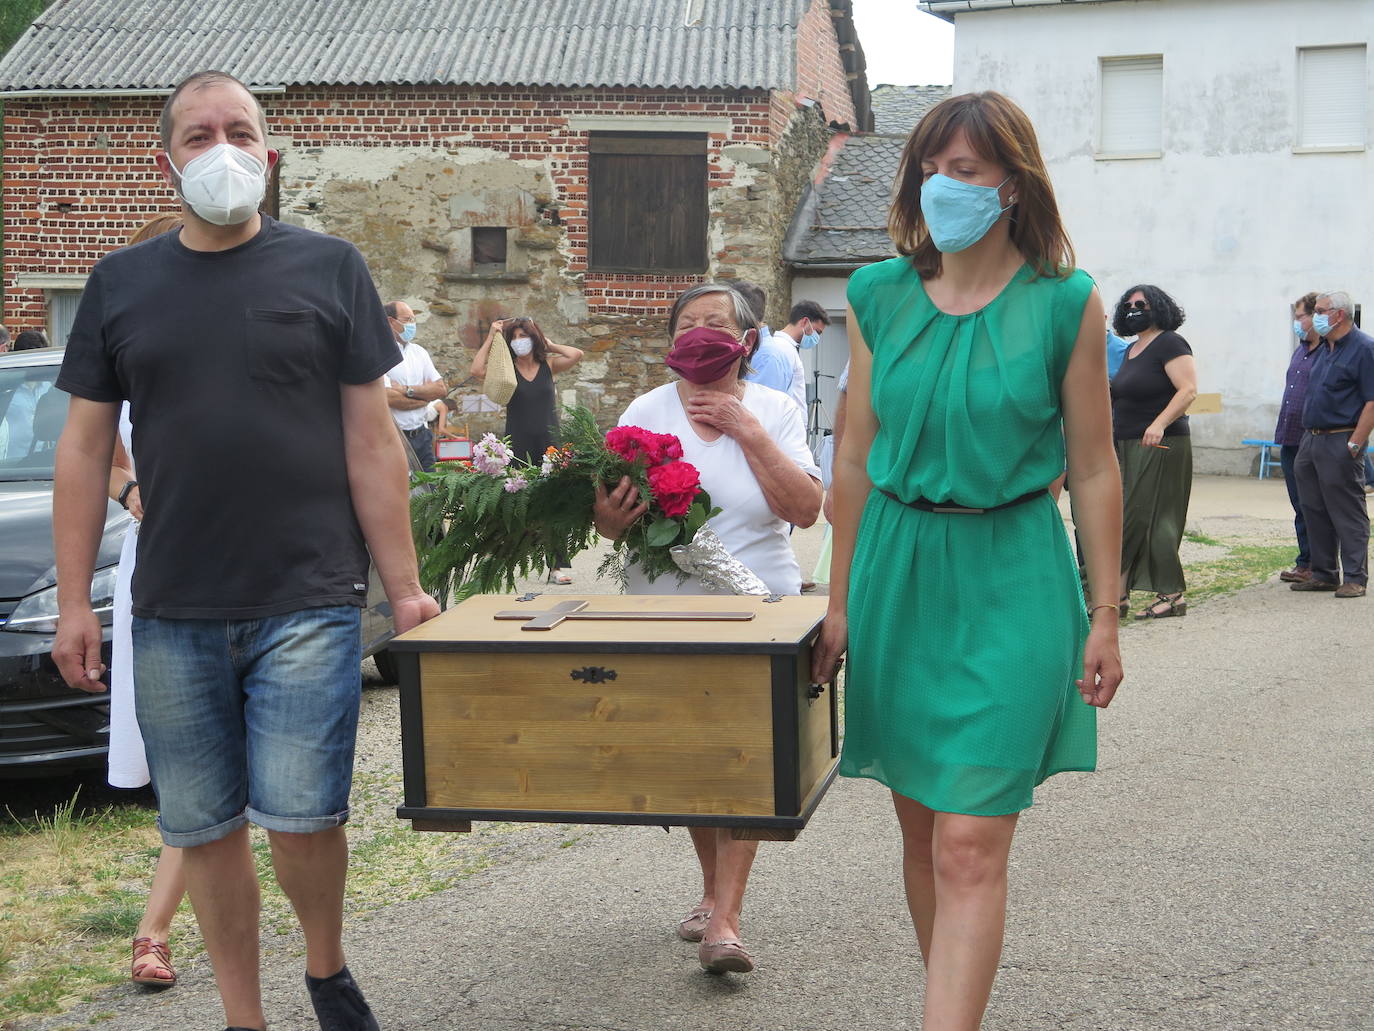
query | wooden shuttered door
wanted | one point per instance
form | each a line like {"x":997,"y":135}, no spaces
{"x":647,"y":195}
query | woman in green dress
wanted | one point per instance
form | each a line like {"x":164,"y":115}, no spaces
{"x":973,"y":671}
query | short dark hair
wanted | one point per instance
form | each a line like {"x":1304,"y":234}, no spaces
{"x":1164,"y":310}
{"x":1308,"y":303}
{"x":753,"y":293}
{"x":390,"y":309}
{"x":30,"y":340}
{"x":807,"y":310}
{"x":199,"y":81}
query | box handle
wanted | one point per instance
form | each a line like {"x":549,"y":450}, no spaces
{"x":593,"y":674}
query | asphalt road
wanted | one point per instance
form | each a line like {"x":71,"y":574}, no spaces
{"x":1214,"y":874}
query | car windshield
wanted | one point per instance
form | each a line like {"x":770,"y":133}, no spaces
{"x":32,"y":412}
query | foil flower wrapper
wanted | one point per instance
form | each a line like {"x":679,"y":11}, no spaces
{"x":708,"y":558}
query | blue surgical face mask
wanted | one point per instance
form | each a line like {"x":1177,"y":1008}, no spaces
{"x":1298,"y":331}
{"x":809,"y":340}
{"x":959,"y":214}
{"x":407,"y":332}
{"x":1322,"y":324}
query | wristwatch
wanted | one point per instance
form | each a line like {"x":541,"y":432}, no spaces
{"x":410,"y":392}
{"x":123,"y":498}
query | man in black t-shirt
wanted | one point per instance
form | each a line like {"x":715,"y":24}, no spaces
{"x":251,"y":354}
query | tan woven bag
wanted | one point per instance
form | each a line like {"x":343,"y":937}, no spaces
{"x":499,"y":383}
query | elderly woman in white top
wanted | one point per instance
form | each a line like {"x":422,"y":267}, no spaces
{"x":749,"y":444}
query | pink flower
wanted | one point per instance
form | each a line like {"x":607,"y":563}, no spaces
{"x":491,"y":455}
{"x":636,"y":444}
{"x":515,"y":484}
{"x":674,"y":486}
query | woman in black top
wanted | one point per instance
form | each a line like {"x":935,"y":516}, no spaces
{"x":1151,"y":391}
{"x":532,"y":411}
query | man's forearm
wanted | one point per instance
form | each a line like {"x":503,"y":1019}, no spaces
{"x":78,"y":518}
{"x":396,"y":398}
{"x":378,"y":483}
{"x":432,"y":391}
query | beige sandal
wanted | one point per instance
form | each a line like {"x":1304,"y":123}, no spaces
{"x":692,"y":927}
{"x":725,"y":957}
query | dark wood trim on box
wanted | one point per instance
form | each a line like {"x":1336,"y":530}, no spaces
{"x":412,"y":728}
{"x":436,"y":815}
{"x":786,"y":736}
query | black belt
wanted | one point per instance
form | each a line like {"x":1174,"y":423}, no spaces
{"x":952,"y":509}
{"x":418,"y":429}
{"x":1338,"y":429}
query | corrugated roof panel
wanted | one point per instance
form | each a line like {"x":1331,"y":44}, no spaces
{"x":114,"y":44}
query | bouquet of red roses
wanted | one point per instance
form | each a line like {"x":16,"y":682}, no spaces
{"x":481,"y":527}
{"x":678,"y":506}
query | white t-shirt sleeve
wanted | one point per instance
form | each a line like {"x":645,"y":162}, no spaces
{"x":430,"y":372}
{"x":788,"y":430}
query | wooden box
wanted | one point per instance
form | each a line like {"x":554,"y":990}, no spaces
{"x":650,"y":720}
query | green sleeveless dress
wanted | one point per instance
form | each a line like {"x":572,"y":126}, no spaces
{"x":966,"y":632}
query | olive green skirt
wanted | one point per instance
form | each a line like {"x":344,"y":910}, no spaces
{"x":1155,"y":485}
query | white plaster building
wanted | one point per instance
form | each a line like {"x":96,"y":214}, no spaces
{"x":1217,"y":148}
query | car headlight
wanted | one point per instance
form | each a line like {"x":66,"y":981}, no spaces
{"x":37,"y":614}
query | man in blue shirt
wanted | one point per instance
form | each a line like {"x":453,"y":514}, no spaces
{"x":1337,"y":418}
{"x":1288,"y":430}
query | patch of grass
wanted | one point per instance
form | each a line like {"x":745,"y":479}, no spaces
{"x":1198,"y":537}
{"x":1244,"y":566}
{"x":115,"y":918}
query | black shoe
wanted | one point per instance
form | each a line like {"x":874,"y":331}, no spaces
{"x":339,"y":1003}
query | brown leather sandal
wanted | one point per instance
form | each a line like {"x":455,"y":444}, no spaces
{"x":1176,"y":606}
{"x":152,"y":964}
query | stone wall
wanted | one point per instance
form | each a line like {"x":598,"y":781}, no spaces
{"x":406,"y":175}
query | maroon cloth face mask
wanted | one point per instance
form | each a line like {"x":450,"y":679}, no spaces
{"x":704,"y":355}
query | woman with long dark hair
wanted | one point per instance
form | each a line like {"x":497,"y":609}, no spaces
{"x":1151,"y":393}
{"x":532,"y":411}
{"x":975,"y":358}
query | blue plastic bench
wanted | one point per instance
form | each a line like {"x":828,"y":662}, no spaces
{"x":1268,"y":456}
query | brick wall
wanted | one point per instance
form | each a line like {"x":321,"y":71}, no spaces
{"x":378,"y":166}
{"x":820,"y":72}
{"x":79,"y":175}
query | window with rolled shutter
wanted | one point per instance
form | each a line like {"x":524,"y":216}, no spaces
{"x":1333,"y":87}
{"x":1131,"y":112}
{"x":647,"y":201}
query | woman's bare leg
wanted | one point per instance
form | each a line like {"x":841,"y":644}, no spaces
{"x":164,"y":896}
{"x":734,"y":860}
{"x":918,"y":867}
{"x":704,"y":841}
{"x":970,"y":875}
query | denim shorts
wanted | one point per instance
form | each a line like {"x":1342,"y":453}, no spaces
{"x":249,"y":719}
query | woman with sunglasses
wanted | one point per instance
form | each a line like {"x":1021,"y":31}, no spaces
{"x":1151,"y":392}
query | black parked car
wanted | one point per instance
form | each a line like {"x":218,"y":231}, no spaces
{"x":45,"y":726}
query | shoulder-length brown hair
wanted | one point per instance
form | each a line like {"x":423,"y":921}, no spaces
{"x":1000,"y":132}
{"x":540,"y":351}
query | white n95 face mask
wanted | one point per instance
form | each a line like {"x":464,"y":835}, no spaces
{"x":224,"y":185}
{"x":522,"y":346}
